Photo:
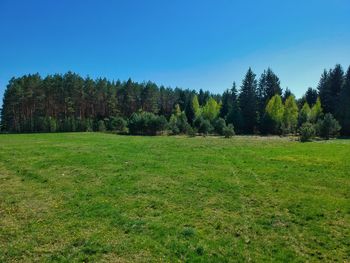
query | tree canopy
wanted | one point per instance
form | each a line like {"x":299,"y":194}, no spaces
{"x":69,"y":102}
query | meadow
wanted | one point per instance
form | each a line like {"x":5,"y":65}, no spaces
{"x":74,"y":197}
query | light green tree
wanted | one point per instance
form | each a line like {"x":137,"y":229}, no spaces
{"x":177,"y":110}
{"x":316,"y":111}
{"x":304,"y":114}
{"x":211,"y":109}
{"x":275,"y":110}
{"x":290,"y":115}
{"x":195,"y":106}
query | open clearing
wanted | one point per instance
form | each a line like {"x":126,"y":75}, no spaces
{"x":102,"y":197}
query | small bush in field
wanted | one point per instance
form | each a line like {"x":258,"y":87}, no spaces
{"x":307,"y":132}
{"x":328,"y":127}
{"x":229,"y":131}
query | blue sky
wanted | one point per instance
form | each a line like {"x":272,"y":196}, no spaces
{"x":191,"y":44}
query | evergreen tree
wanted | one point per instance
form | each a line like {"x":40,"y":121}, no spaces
{"x":329,"y":89}
{"x":328,"y":126}
{"x":234,"y":116}
{"x":311,"y":96}
{"x":269,"y":86}
{"x":248,"y":102}
{"x":324,"y":90}
{"x":286,"y":94}
{"x":344,"y":105}
{"x":150,"y":97}
{"x":228,"y":99}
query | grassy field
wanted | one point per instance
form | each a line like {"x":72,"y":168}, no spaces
{"x":102,"y":197}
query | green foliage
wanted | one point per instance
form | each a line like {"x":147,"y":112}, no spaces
{"x":51,"y":124}
{"x":177,"y":110}
{"x":328,"y":126}
{"x":269,"y":86}
{"x":307,"y":131}
{"x":228,"y":131}
{"x":195,"y":106}
{"x":304,"y":114}
{"x":248,"y":103}
{"x":344,"y":105}
{"x":117,"y":124}
{"x":316,"y":111}
{"x":311,"y":96}
{"x":202,"y":125}
{"x":178,"y":123}
{"x":275,"y":110}
{"x":211,"y":109}
{"x":219,"y":125}
{"x":101,"y":126}
{"x":32,"y":103}
{"x":146,"y":123}
{"x":290,"y":115}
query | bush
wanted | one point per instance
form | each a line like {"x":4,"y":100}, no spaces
{"x":174,"y":129}
{"x":328,"y":127}
{"x":228,"y":131}
{"x":191,"y":132}
{"x":178,"y":124}
{"x":117,"y":124}
{"x":307,"y":131}
{"x":52,"y":125}
{"x":146,"y":123}
{"x":68,"y":125}
{"x":203,"y":126}
{"x":101,"y":126}
{"x":219,"y":125}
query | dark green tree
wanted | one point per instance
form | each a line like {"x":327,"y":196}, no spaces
{"x":248,"y":102}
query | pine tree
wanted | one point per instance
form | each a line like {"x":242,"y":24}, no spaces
{"x":269,"y":85}
{"x":248,"y":102}
{"x":286,"y":94}
{"x":329,"y":89}
{"x":311,"y":96}
{"x":344,"y":105}
{"x":324,"y":90}
{"x":234,"y":116}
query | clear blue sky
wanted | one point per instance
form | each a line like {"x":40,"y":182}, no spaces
{"x":191,"y":44}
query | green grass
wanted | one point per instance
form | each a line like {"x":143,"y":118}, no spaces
{"x":102,"y":197}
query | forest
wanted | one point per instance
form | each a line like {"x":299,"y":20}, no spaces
{"x":69,"y":102}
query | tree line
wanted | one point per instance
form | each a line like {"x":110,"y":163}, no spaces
{"x":69,"y":102}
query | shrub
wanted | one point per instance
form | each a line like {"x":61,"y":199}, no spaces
{"x":68,"y":125}
{"x":146,"y":123}
{"x":307,"y":131}
{"x":191,"y":132}
{"x":203,"y":126}
{"x":52,"y":125}
{"x":178,"y":123}
{"x":117,"y":124}
{"x":219,"y":125}
{"x":228,"y":131}
{"x":101,"y":126}
{"x":174,"y":129}
{"x":328,"y":127}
